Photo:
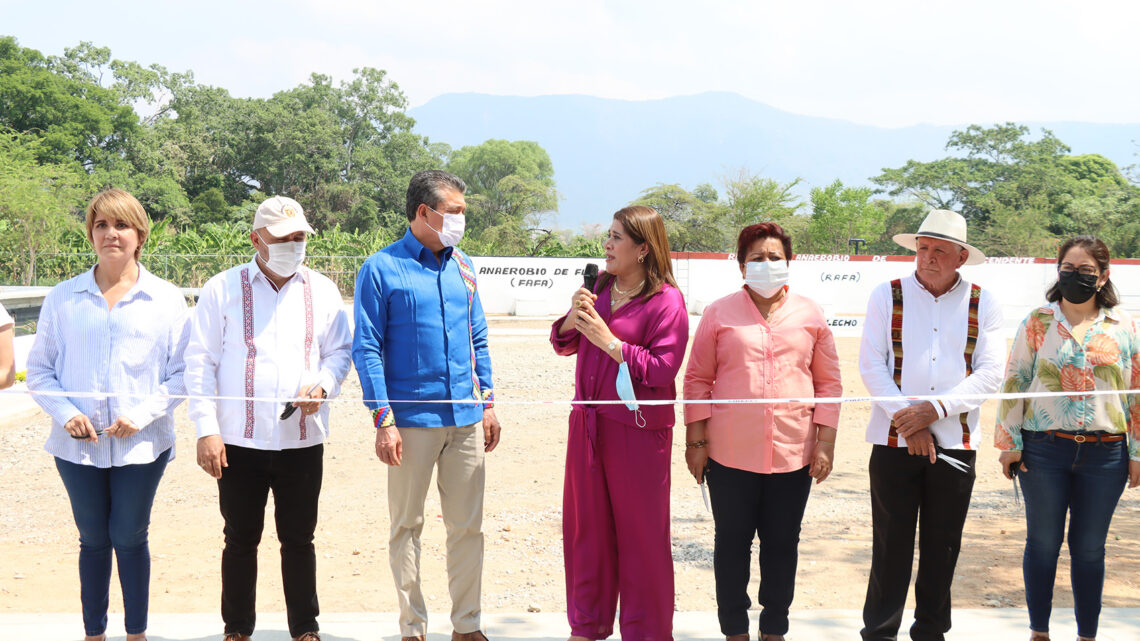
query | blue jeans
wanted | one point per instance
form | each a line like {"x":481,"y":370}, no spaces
{"x":111,"y":507}
{"x":1084,"y":480}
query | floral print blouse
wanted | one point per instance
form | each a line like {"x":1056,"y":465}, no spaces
{"x":1047,"y":358}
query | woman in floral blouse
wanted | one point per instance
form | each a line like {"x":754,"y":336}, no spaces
{"x":1072,"y":453}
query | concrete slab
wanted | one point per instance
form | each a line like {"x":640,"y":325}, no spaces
{"x":814,"y":625}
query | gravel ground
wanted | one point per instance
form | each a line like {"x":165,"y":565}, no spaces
{"x":523,"y":568}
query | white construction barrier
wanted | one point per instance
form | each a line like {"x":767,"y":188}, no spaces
{"x":841,"y":284}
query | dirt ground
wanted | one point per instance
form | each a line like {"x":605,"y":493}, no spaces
{"x":523,"y":568}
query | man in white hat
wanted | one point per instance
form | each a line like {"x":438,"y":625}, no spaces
{"x":929,"y":334}
{"x":270,"y":328}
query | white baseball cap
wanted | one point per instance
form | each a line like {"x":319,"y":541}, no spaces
{"x":281,"y":216}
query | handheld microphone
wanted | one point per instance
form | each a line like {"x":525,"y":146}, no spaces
{"x":590,"y":276}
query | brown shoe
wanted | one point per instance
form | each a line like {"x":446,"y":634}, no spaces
{"x":737,"y":637}
{"x":468,"y":636}
{"x":307,"y":636}
{"x":236,"y":636}
{"x":419,"y":638}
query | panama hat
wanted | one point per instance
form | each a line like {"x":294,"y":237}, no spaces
{"x":943,"y":224}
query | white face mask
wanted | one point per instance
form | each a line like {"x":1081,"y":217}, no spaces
{"x":453,"y":226}
{"x":766,"y":277}
{"x":285,"y":258}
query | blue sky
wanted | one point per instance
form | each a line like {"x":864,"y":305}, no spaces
{"x":882,"y":62}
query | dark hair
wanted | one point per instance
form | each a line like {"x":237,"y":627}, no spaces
{"x":1106,"y":296}
{"x":426,"y":187}
{"x":753,"y":233}
{"x":644,"y":225}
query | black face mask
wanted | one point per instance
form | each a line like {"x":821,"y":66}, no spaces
{"x":1077,"y":287}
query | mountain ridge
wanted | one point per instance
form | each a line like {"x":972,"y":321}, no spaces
{"x":606,"y":151}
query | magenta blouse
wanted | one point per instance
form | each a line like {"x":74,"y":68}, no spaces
{"x":654,"y":334}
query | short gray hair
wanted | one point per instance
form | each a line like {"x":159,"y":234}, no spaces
{"x":426,"y":188}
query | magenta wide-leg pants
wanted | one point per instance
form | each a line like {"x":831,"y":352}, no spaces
{"x":615,"y":529}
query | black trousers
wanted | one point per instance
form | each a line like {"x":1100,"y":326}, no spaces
{"x":294,"y":476}
{"x":909,"y":491}
{"x":746,"y":504}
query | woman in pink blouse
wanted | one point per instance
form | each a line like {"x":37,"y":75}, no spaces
{"x":760,"y":342}
{"x":630,"y":335}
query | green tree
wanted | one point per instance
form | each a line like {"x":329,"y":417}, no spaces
{"x":211,"y":206}
{"x":898,"y":218}
{"x":1019,"y":194}
{"x":693,"y":224}
{"x":60,"y":101}
{"x":840,"y":213}
{"x":38,"y":202}
{"x":754,"y":199}
{"x":510,"y":188}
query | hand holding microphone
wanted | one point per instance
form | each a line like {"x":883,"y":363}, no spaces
{"x":590,"y":276}
{"x":585,"y":293}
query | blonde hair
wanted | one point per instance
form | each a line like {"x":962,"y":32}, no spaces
{"x":119,"y":205}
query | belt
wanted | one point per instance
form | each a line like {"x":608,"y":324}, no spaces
{"x":1095,"y":437}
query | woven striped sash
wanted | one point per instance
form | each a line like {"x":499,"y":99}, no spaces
{"x":468,"y":274}
{"x":897,"y":346}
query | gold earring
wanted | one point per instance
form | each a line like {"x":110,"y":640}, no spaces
{"x":641,"y":258}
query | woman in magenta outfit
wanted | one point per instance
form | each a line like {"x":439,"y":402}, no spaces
{"x":615,"y":511}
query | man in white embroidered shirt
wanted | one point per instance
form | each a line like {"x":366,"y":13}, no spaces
{"x":931,"y":333}
{"x":270,"y":328}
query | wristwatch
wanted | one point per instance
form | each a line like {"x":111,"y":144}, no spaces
{"x":613,"y":345}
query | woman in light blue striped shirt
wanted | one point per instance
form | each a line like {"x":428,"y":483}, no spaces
{"x":105,"y":363}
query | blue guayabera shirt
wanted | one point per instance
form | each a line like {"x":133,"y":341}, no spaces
{"x":415,"y":331}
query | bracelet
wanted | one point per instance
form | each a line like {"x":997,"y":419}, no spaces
{"x":697,"y":444}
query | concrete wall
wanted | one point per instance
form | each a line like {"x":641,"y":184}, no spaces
{"x":840,"y":284}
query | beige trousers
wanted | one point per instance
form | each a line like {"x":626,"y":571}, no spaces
{"x":458,"y":453}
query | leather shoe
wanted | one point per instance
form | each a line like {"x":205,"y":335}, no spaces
{"x":419,"y":638}
{"x":468,"y":636}
{"x":307,"y":636}
{"x":236,"y":636}
{"x":737,"y":637}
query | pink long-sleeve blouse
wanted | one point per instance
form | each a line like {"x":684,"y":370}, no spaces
{"x":654,"y":334}
{"x":738,"y":354}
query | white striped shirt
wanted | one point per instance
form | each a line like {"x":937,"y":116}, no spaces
{"x":129,"y":352}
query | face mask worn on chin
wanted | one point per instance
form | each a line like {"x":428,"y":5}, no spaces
{"x":1077,"y":287}
{"x":624,"y":386}
{"x":285,"y":258}
{"x":453,"y":226}
{"x":766,"y":277}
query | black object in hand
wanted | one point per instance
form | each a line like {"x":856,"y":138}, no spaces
{"x":1014,"y":468}
{"x":84,"y":437}
{"x":590,"y":276}
{"x":289,"y":409}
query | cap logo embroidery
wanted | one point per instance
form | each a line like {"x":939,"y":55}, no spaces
{"x":288,"y":211}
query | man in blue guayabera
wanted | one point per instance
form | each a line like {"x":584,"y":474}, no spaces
{"x":421,"y":352}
